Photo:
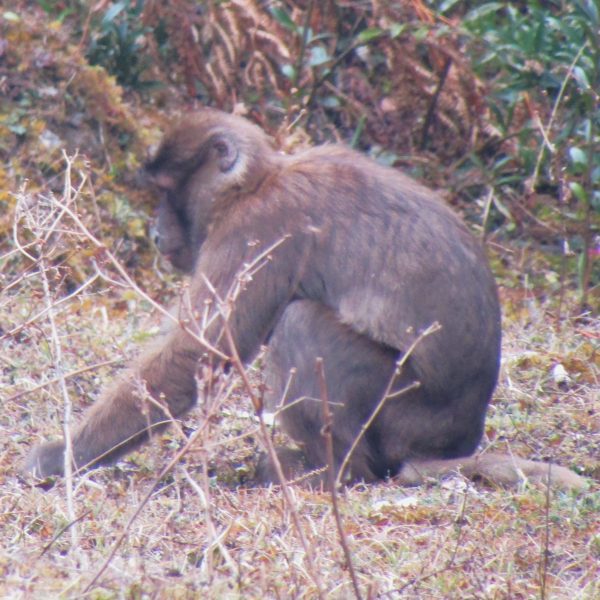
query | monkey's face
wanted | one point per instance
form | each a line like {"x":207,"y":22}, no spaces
{"x":173,"y":236}
{"x":192,"y":169}
{"x":173,"y":230}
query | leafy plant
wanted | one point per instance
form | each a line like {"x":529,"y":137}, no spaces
{"x":117,"y":43}
{"x":543,"y":59}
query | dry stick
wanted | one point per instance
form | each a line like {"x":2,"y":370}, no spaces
{"x":57,"y":360}
{"x":387,"y":394}
{"x":333,"y":64}
{"x":237,"y":363}
{"x":587,"y":262}
{"x":66,"y":376}
{"x":18,"y":250}
{"x":303,"y":42}
{"x":460,"y":520}
{"x":205,"y":394}
{"x":486,"y":213}
{"x":58,"y":364}
{"x":217,"y":538}
{"x":44,"y":311}
{"x":225,"y":310}
{"x":166,"y":470}
{"x":62,"y":530}
{"x":130,"y":282}
{"x":434,"y":101}
{"x":86,"y":24}
{"x":397,"y":592}
{"x":547,"y":143}
{"x":546,"y":544}
{"x":327,"y":433}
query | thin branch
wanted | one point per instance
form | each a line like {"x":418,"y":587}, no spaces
{"x":545,"y":546}
{"x":257,"y":404}
{"x":434,"y":101}
{"x":326,"y":431}
{"x":165,"y":471}
{"x":62,"y":530}
{"x":387,"y":395}
{"x":303,"y":42}
{"x":217,"y":539}
{"x":66,"y":376}
{"x":58,"y":366}
{"x":559,"y":97}
{"x":55,"y":303}
{"x":486,"y":212}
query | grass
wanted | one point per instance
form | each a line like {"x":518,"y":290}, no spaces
{"x":198,"y":532}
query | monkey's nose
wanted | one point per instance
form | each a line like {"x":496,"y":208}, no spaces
{"x":155,"y":235}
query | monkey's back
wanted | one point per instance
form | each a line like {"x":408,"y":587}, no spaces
{"x":392,"y":259}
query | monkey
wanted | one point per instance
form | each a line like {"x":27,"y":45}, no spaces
{"x":320,"y":254}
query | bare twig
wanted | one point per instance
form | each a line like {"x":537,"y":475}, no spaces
{"x":303,"y":42}
{"x":257,"y":404}
{"x":54,"y":305}
{"x":65,"y":376}
{"x":217,"y":538}
{"x":387,"y":395}
{"x":57,"y":355}
{"x":327,"y":433}
{"x":587,"y":234}
{"x":548,"y":128}
{"x":58,"y":367}
{"x":165,"y":471}
{"x":434,"y":101}
{"x":486,"y":212}
{"x":225,"y":309}
{"x":546,"y":544}
{"x":62,"y":530}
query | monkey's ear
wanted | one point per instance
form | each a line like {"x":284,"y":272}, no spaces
{"x":226,"y":151}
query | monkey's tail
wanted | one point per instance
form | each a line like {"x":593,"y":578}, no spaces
{"x":500,"y":469}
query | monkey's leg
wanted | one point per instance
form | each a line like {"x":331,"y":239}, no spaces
{"x":357,"y":372}
{"x":123,"y":418}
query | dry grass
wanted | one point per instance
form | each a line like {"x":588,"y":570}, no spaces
{"x":199,"y":536}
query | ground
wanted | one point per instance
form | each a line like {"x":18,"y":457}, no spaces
{"x":198,"y":531}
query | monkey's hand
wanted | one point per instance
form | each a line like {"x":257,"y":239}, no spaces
{"x":46,"y":460}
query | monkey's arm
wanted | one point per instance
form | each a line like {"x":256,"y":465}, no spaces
{"x":234,"y":298}
{"x":126,"y":412}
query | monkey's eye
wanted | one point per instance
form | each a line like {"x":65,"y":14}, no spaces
{"x":222,"y":148}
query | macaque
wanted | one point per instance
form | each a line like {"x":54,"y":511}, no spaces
{"x":322,"y":254}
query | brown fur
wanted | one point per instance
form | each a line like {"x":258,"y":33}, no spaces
{"x":363,"y":259}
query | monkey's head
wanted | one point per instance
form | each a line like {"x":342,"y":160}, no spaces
{"x":206,"y":160}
